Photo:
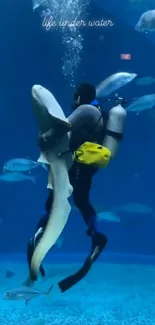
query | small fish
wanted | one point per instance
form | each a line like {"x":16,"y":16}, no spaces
{"x":108,"y":216}
{"x":146,"y":22}
{"x":21,"y":165}
{"x":134,"y":208}
{"x":145,"y":81}
{"x":17,"y":177}
{"x":114,"y":82}
{"x":142,"y":103}
{"x":9,"y":274}
{"x":25,"y":293}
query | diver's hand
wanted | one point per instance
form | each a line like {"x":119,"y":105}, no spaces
{"x":45,"y":139}
{"x":48,"y":138}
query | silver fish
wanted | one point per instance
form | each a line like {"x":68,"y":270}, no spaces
{"x":108,"y":216}
{"x":137,"y":208}
{"x":21,"y":165}
{"x":25,"y":293}
{"x":146,"y":22}
{"x":142,"y":103}
{"x":114,"y":82}
{"x":17,"y":177}
{"x":51,"y":117}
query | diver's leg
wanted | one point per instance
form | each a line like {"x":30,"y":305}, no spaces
{"x":82,"y":186}
{"x":39,"y":231}
{"x":81,"y":181}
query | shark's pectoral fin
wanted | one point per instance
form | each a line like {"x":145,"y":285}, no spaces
{"x":42,"y":158}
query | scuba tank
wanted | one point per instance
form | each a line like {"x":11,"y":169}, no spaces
{"x":113,"y":123}
{"x":113,"y":126}
{"x":114,"y":129}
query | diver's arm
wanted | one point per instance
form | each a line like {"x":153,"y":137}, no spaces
{"x":84,"y":114}
{"x":114,"y":129}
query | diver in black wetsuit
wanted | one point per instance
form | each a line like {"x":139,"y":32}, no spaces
{"x":80,"y":176}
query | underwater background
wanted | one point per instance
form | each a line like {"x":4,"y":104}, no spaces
{"x":32,"y":55}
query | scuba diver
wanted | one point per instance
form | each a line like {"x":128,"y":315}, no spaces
{"x":106,"y":129}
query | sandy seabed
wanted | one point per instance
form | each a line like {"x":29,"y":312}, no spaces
{"x":111,"y":294}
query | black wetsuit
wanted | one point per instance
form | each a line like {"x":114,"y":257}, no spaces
{"x":80,"y":177}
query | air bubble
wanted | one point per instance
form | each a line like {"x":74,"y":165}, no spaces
{"x":72,"y":40}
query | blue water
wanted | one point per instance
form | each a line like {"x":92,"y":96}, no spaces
{"x":120,"y":288}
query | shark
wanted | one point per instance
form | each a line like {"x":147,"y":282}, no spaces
{"x":50,"y":118}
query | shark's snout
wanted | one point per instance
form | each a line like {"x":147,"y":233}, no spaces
{"x":36,"y":90}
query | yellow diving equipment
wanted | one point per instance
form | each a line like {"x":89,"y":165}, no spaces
{"x":90,"y":153}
